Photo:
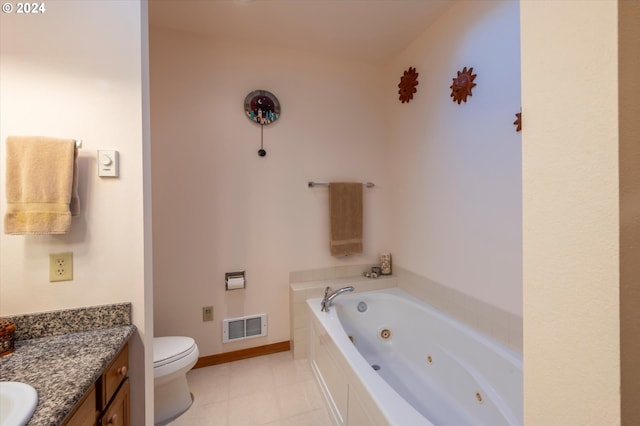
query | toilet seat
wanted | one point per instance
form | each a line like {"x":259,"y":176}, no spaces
{"x":171,"y":349}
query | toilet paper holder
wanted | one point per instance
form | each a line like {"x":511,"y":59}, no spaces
{"x":234,"y":280}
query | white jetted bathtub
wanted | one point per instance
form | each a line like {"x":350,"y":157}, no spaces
{"x":385,"y":358}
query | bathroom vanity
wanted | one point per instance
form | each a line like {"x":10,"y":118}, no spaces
{"x":78,"y":362}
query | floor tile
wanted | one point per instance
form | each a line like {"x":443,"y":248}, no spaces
{"x":271,"y":390}
{"x":254,"y":409}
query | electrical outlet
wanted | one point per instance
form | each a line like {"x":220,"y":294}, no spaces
{"x":61,"y":267}
{"x":207,"y":313}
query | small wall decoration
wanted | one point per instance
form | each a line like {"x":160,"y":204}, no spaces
{"x":263,"y":108}
{"x":518,"y":122}
{"x":407,"y":85}
{"x":462,"y":85}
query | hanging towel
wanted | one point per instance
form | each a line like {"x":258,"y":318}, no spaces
{"x":42,"y":185}
{"x":345,"y":212}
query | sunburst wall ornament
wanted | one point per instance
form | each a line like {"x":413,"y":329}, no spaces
{"x":407,"y":85}
{"x":518,"y":122}
{"x":462,"y":85}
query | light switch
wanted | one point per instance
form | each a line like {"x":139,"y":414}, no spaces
{"x":107,"y":163}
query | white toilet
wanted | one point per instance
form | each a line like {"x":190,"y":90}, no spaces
{"x":173,"y":356}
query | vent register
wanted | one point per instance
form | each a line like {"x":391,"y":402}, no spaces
{"x":244,"y":327}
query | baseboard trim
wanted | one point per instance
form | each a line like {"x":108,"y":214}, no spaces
{"x":215,"y":359}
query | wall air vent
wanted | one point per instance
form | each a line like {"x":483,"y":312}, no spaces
{"x":244,"y":327}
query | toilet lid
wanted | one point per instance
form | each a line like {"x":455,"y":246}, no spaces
{"x":171,"y":348}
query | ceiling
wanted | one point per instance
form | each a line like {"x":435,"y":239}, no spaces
{"x":373,"y":31}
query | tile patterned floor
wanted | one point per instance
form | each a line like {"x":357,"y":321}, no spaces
{"x":271,"y":390}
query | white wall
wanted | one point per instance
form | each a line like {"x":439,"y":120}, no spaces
{"x":219,"y":207}
{"x":570,"y":223}
{"x":75,"y":72}
{"x":456,"y":217}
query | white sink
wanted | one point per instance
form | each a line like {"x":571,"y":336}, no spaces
{"x":17,"y":403}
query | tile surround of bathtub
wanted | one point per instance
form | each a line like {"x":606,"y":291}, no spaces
{"x":496,"y":323}
{"x":346,"y":271}
{"x":500,"y":325}
{"x":54,"y":323}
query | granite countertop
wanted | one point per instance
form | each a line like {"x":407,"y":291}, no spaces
{"x":62,"y":362}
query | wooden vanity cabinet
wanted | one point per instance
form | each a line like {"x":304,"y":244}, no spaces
{"x":107,"y":402}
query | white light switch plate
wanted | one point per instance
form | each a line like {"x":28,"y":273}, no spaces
{"x":107,"y":163}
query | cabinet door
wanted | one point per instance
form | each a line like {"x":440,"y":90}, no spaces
{"x":85,"y":414}
{"x":117,"y":413}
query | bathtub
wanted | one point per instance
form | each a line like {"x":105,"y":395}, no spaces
{"x":386,"y":358}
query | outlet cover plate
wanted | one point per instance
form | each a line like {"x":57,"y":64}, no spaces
{"x":207,"y":313}
{"x":61,"y":267}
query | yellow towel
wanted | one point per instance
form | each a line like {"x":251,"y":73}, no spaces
{"x":42,"y":185}
{"x":345,"y":212}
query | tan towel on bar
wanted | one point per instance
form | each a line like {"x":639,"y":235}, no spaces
{"x":345,"y":211}
{"x":42,"y":185}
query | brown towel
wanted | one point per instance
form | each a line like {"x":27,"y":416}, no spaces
{"x":345,"y":211}
{"x":42,"y":182}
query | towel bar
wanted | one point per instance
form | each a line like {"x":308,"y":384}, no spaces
{"x":312,"y":184}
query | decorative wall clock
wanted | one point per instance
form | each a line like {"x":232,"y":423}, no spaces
{"x":462,"y":85}
{"x":518,"y":122}
{"x":407,"y":85}
{"x":262,"y":107}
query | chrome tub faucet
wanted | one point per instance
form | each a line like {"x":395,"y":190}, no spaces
{"x":328,"y":299}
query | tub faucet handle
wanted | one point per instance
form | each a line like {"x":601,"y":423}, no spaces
{"x":323,"y":304}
